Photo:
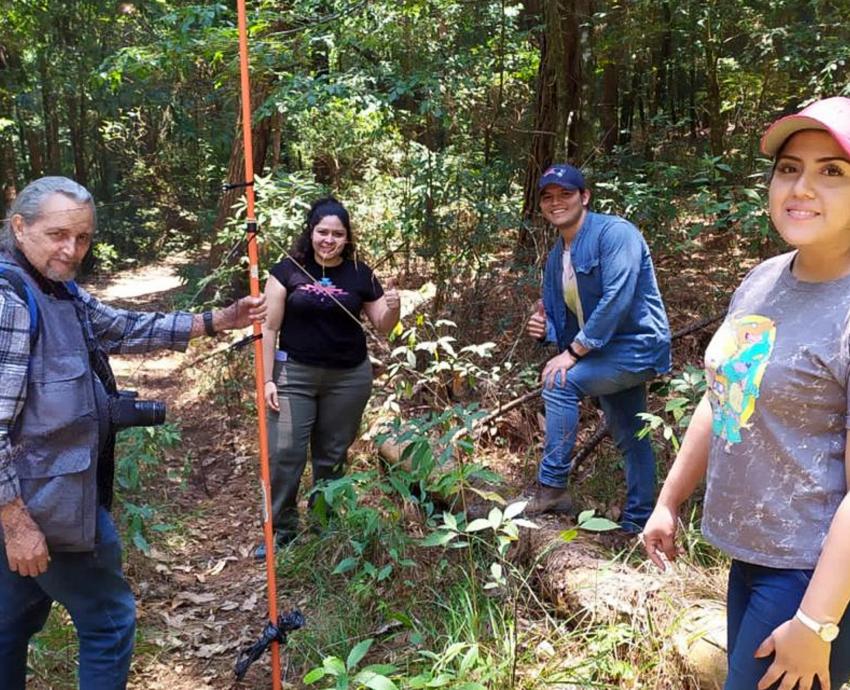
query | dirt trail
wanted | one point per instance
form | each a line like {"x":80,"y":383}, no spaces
{"x":200,"y":594}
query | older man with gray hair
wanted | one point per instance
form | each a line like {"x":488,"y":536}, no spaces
{"x":57,"y":428}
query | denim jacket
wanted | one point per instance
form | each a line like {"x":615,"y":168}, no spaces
{"x":622,"y":306}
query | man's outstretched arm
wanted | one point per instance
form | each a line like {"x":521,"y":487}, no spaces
{"x":133,"y":332}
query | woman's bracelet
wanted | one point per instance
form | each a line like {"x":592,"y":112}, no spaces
{"x":575,"y":355}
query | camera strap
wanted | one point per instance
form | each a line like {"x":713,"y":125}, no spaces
{"x":98,"y":358}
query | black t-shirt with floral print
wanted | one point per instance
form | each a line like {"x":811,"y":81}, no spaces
{"x":316,"y":330}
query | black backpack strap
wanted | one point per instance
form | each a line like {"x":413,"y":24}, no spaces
{"x":23,"y":290}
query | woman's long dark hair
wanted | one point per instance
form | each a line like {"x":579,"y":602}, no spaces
{"x":302,"y":248}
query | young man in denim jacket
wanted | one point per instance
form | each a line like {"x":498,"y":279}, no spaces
{"x":602,"y":308}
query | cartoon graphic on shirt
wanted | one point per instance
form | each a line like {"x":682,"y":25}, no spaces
{"x":735,"y":362}
{"x":324,"y":290}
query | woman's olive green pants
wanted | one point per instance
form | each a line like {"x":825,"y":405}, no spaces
{"x":320,"y":412}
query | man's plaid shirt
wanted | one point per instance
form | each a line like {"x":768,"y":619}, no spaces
{"x":118,"y":330}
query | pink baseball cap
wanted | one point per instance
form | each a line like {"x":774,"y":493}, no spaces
{"x":830,"y":115}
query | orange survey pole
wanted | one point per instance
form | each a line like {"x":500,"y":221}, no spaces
{"x":259,"y":374}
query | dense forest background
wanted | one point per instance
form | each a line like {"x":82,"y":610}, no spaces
{"x":431,"y":118}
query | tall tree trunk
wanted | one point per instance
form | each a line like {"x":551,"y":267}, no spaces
{"x":627,"y":109}
{"x":261,"y":138}
{"x":715,"y":116}
{"x":275,"y":137}
{"x":104,"y":164}
{"x":558,"y":103}
{"x":693,"y":116}
{"x":75,"y":105}
{"x":51,"y":120}
{"x":613,"y":64}
{"x":495,"y":108}
{"x":608,"y":106}
{"x":541,"y":153}
{"x":8,"y":167}
{"x":715,"y":123}
{"x":578,"y":41}
{"x":663,"y":59}
{"x":31,"y":143}
{"x":8,"y":171}
{"x":565,"y":46}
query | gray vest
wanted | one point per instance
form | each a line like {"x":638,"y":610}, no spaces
{"x":56,"y":436}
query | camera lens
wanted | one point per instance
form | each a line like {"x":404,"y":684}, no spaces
{"x":151,"y":411}
{"x":126,"y":410}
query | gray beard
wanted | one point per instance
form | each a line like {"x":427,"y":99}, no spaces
{"x":61,"y":277}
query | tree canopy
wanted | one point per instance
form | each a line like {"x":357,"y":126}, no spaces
{"x":431,"y":118}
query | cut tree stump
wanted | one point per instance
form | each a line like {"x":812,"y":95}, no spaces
{"x":700,"y":639}
{"x":578,"y":579}
{"x":583,"y":583}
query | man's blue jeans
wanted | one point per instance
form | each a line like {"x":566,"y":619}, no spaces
{"x":622,"y":395}
{"x":91,"y":586}
{"x":758,"y":601}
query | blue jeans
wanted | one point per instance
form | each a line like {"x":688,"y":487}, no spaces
{"x":91,"y":586}
{"x":622,"y":395}
{"x":759,"y":600}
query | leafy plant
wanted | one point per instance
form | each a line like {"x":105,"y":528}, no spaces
{"x":589,"y":521}
{"x":427,"y":357}
{"x":503,"y":524}
{"x":139,"y":451}
{"x":375,"y":549}
{"x":345,"y":676}
{"x":687,"y":389}
{"x":450,"y":668}
{"x":106,"y":256}
{"x":436,"y":441}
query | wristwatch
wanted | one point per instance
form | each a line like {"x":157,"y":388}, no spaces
{"x":208,"y":323}
{"x":825,"y":631}
{"x":575,"y":355}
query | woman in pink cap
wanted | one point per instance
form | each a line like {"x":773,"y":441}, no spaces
{"x":771,"y":434}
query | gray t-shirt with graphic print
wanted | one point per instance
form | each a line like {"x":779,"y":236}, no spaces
{"x":777,"y":372}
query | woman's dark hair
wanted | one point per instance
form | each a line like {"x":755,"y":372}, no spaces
{"x":302,"y":248}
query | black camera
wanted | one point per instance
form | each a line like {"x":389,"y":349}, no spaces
{"x":126,"y":410}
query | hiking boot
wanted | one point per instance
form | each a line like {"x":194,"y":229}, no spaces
{"x":549,"y":499}
{"x":281,"y":539}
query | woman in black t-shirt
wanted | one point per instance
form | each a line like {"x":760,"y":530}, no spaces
{"x":315,"y":347}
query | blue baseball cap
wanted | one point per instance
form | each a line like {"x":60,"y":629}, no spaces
{"x":563,"y":175}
